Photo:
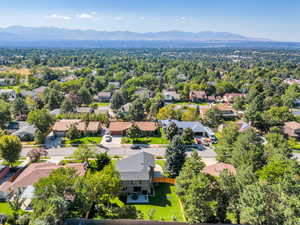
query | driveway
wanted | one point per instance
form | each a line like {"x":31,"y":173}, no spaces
{"x":115,"y":142}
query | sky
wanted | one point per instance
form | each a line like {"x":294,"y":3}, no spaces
{"x":273,"y":19}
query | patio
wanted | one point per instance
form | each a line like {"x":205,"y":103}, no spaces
{"x":137,"y":198}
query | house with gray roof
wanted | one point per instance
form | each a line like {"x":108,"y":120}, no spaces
{"x":25,"y":131}
{"x":197,"y":127}
{"x":136,"y":173}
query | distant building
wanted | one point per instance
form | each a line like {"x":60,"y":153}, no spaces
{"x":292,"y":129}
{"x":10,"y":94}
{"x":84,"y":110}
{"x":103,"y":96}
{"x":230,"y":97}
{"x":218,"y":168}
{"x":170,"y":95}
{"x":120,"y":128}
{"x":25,"y":131}
{"x":61,"y":127}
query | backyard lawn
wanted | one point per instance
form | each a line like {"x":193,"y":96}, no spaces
{"x":162,"y":163}
{"x":84,"y":140}
{"x":5,"y":208}
{"x":145,"y":140}
{"x":165,"y":203}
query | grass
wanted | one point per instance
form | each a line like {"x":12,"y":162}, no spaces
{"x":5,"y":208}
{"x":17,"y":163}
{"x":83,"y":140}
{"x":162,"y":163}
{"x":145,"y":140}
{"x":191,"y":103}
{"x":165,"y":203}
{"x":101,"y":103}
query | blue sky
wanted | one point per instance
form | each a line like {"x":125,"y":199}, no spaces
{"x":274,"y":19}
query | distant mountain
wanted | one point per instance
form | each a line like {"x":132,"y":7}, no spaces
{"x":21,"y":33}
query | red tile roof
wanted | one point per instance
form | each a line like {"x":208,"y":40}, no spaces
{"x":64,"y":125}
{"x":122,"y":126}
{"x":216,"y":169}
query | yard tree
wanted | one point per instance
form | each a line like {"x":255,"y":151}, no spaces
{"x":134,"y":132}
{"x":187,"y":136}
{"x":52,"y":98}
{"x":276,"y":144}
{"x":10,"y":148}
{"x":191,"y":168}
{"x":171,"y":130}
{"x":213,"y":117}
{"x":73,"y":132}
{"x":19,"y":106}
{"x":102,"y":160}
{"x":97,"y":189}
{"x":196,"y":201}
{"x":248,"y":150}
{"x":41,"y":118}
{"x":175,"y":156}
{"x":136,"y":110}
{"x":291,"y":94}
{"x":276,"y":116}
{"x":83,"y":153}
{"x":224,"y":147}
{"x":84,"y":96}
{"x":117,"y":100}
{"x":67,"y":106}
{"x":5,"y":115}
{"x":190,"y":114}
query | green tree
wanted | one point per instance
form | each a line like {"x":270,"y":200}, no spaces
{"x":84,"y":96}
{"x":19,"y":107}
{"x":117,"y":100}
{"x":276,"y":116}
{"x":277,"y":144}
{"x":136,"y":110}
{"x":73,"y":132}
{"x":134,"y":132}
{"x":83,"y":153}
{"x":10,"y":148}
{"x":213,"y":117}
{"x":171,"y":130}
{"x":102,"y":160}
{"x":41,"y":118}
{"x":67,"y":106}
{"x":5,"y":115}
{"x":187,"y":136}
{"x":175,"y":156}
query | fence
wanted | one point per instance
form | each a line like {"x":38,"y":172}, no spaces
{"x":164,"y":180}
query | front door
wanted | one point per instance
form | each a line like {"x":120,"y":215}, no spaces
{"x":137,"y":189}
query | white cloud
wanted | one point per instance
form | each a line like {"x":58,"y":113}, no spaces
{"x":55,"y":16}
{"x":142,"y":18}
{"x":85,"y":16}
{"x":182,"y":18}
{"x":118,"y":18}
{"x":93,"y":13}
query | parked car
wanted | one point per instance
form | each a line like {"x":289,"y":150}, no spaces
{"x":135,"y":147}
{"x":195,"y":146}
{"x":108,"y":138}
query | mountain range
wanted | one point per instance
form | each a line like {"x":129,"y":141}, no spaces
{"x":21,"y":33}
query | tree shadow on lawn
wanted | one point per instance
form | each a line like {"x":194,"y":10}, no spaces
{"x":161,"y":198}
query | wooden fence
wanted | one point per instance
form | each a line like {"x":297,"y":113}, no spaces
{"x":164,"y":180}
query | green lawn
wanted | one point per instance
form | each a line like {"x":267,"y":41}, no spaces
{"x":84,"y":140}
{"x":145,"y":140}
{"x":165,"y":203}
{"x":160,"y":162}
{"x":5,"y":208}
{"x":17,"y":163}
{"x":191,"y":103}
{"x":101,"y":103}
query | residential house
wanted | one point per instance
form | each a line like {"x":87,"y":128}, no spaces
{"x":218,"y":168}
{"x":125,"y":108}
{"x":136,"y":173}
{"x":61,"y":127}
{"x":170,"y":96}
{"x":120,"y":128}
{"x":144,"y":93}
{"x":31,"y":175}
{"x":197,"y":127}
{"x":103,"y":96}
{"x":241,"y":125}
{"x":291,"y":81}
{"x":84,"y":110}
{"x":230,"y":97}
{"x":55,"y":112}
{"x":25,"y":131}
{"x":7,"y":81}
{"x":225,"y":110}
{"x":292,"y":129}
{"x":197,"y":96}
{"x":296,"y":112}
{"x":182,"y":77}
{"x":9,"y":94}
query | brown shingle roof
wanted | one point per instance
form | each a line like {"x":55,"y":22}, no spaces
{"x":64,"y":125}
{"x":35,"y":171}
{"x":198,"y":94}
{"x":122,"y":126}
{"x":216,"y":169}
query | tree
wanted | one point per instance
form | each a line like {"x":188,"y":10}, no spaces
{"x":213,"y":117}
{"x":187,"y":136}
{"x":84,"y":96}
{"x":41,"y":118}
{"x":276,"y":116}
{"x":19,"y":106}
{"x":134,"y":132}
{"x":10,"y":148}
{"x":225,"y":143}
{"x":73,"y":132}
{"x":5,"y":115}
{"x":136,"y":110}
{"x":83,"y":153}
{"x":277,"y":144}
{"x":102,"y":160}
{"x":52,"y":98}
{"x":117,"y":100}
{"x":96,"y":189}
{"x":175,"y":156}
{"x":67,"y":106}
{"x":171,"y":130}
{"x":191,"y":168}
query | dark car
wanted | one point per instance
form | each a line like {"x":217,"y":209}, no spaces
{"x":135,"y":147}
